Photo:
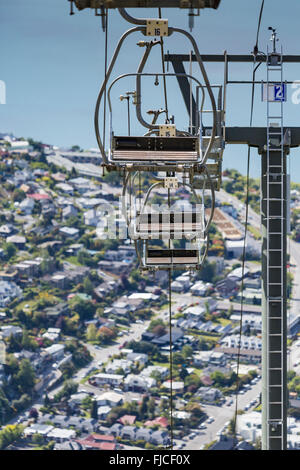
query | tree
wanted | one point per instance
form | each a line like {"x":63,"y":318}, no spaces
{"x":91,"y":332}
{"x":9,"y":250}
{"x":88,"y":286}
{"x":38,"y":439}
{"x":187,"y":351}
{"x":143,"y":407}
{"x":25,"y":377}
{"x":10,"y":434}
{"x":94,"y":410}
{"x":151,"y":407}
{"x":18,"y":195}
{"x":106,"y":334}
{"x":68,"y":389}
{"x":84,"y":308}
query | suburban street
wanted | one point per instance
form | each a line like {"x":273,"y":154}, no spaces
{"x":222,"y":415}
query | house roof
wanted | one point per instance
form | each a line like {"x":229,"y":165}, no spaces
{"x":100,"y":437}
{"x":127,"y":419}
{"x":38,"y":196}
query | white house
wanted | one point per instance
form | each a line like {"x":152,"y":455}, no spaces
{"x":65,"y":188}
{"x":200,"y":288}
{"x":26,"y":206}
{"x":8,"y":291}
{"x":109,"y":399}
{"x":249,"y":425}
{"x":116,"y":364}
{"x":138,"y":382}
{"x":110,"y":379}
{"x":56,"y":351}
{"x":61,"y":435}
{"x":8,"y":330}
{"x":91,"y":218}
{"x":163,"y":371}
{"x":70,"y":232}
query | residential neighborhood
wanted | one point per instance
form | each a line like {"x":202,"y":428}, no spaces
{"x":86,"y":341}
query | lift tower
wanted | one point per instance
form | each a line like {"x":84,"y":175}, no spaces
{"x":273,"y":143}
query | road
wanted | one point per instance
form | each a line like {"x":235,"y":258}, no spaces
{"x":221,"y":416}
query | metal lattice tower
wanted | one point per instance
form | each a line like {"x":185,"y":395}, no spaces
{"x":274,"y":394}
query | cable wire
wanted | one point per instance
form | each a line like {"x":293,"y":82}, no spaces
{"x":255,"y":67}
{"x":171,"y":358}
{"x":105,"y":72}
{"x":255,"y":50}
{"x":164,"y":71}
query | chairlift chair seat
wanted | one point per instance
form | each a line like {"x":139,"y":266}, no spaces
{"x":148,"y":149}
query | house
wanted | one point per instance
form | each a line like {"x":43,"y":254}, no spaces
{"x":128,"y":432}
{"x":138,"y":383}
{"x":110,"y":399}
{"x":64,"y":421}
{"x":234,"y":248}
{"x":250,"y":296}
{"x":115,"y":429}
{"x":177,"y":386}
{"x":103,"y":412}
{"x":224,"y":443}
{"x":117,"y":364}
{"x":57,"y":310}
{"x":6,"y":230}
{"x":160,"y":421}
{"x":81,"y":184}
{"x":26,"y":206}
{"x":110,"y":379}
{"x":36,"y":428}
{"x":182,"y":415}
{"x":249,"y":425}
{"x":17,"y":240}
{"x":200,"y":288}
{"x":181,"y":283}
{"x":138,"y":357}
{"x":98,"y":442}
{"x":252,"y":321}
{"x":10,"y":330}
{"x":142,"y":296}
{"x":61,"y":435}
{"x":91,"y":218}
{"x":52,"y":333}
{"x":143,"y":434}
{"x":238,"y":273}
{"x":203,"y":358}
{"x":69,"y":232}
{"x":160,"y":438}
{"x":244,"y":342}
{"x":164,"y":340}
{"x":69,"y":211}
{"x":55,"y":351}
{"x":195,"y":313}
{"x":210,"y":394}
{"x":127,"y":420}
{"x":227,"y":287}
{"x":162,"y":371}
{"x":8,"y":291}
{"x":59,"y":281}
{"x":65,"y":188}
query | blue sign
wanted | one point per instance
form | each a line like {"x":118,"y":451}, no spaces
{"x":274,"y":92}
{"x":279,"y":92}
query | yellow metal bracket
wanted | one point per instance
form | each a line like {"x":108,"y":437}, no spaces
{"x":157,"y":27}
